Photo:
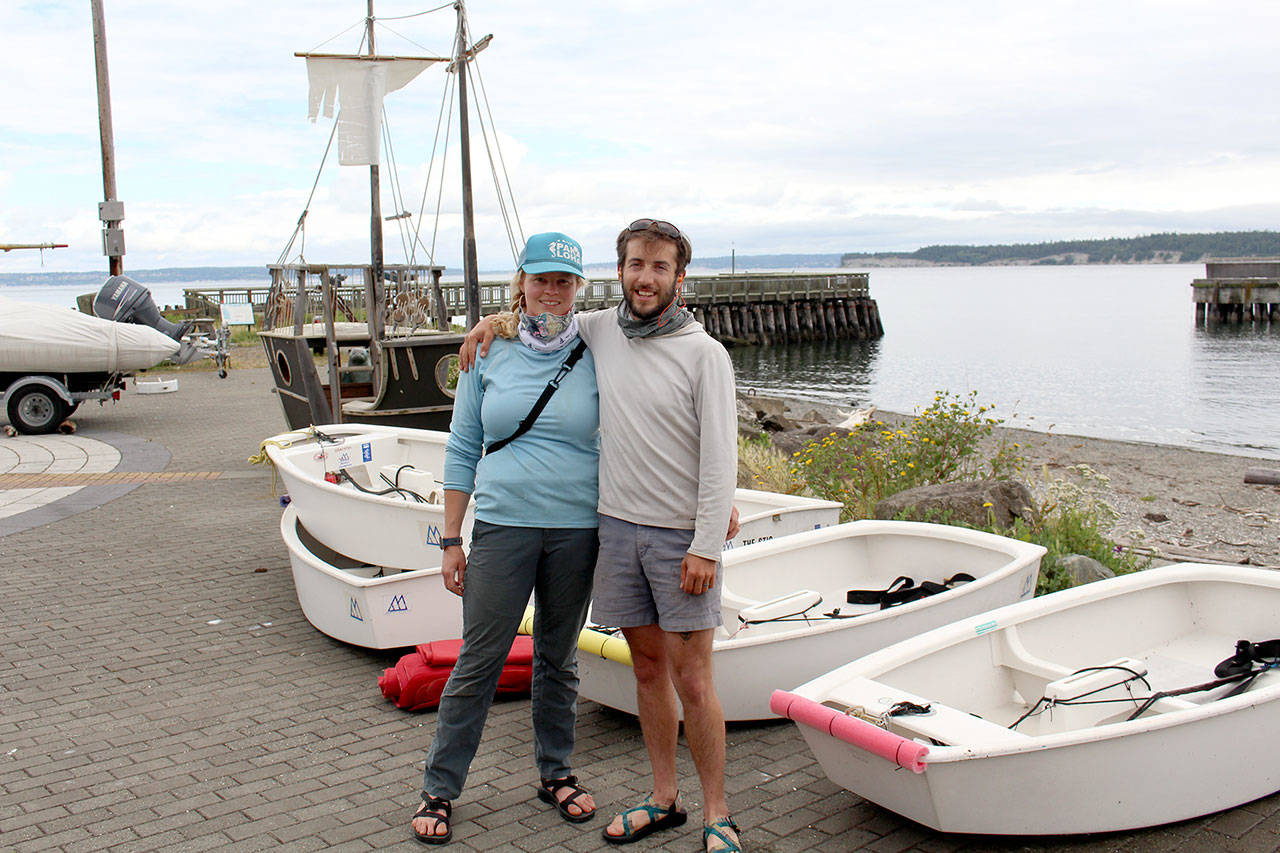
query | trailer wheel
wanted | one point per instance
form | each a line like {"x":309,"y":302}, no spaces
{"x":36,"y":410}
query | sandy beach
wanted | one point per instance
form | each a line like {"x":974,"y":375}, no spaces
{"x":1176,"y":504}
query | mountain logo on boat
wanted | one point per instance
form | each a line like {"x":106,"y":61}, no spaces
{"x":355,"y":611}
{"x":398,"y":605}
{"x":433,"y":535}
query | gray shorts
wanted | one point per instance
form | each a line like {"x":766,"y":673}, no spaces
{"x":638,"y":580}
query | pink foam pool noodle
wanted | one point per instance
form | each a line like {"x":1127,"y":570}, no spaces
{"x":873,"y":739}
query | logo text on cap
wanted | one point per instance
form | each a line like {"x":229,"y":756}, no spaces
{"x":568,"y":251}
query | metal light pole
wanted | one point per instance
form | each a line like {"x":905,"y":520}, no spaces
{"x":110,"y":211}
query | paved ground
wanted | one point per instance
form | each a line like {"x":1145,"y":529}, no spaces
{"x":160,"y":688}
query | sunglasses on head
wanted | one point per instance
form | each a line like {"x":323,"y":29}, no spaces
{"x":662,"y":227}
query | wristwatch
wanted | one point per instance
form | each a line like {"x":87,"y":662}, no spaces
{"x":446,"y":541}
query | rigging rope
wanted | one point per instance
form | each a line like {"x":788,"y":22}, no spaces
{"x":359,"y":23}
{"x":417,"y":14}
{"x":403,"y":36}
{"x":393,"y":180}
{"x":498,"y":170}
{"x":306,"y":208}
{"x":515,"y":245}
{"x":442,"y":120}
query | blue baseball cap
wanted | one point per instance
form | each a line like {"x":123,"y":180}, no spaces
{"x":551,"y":251}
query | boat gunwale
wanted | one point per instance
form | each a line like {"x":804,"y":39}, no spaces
{"x":1018,"y":552}
{"x":282,"y":458}
{"x":293,"y":542}
{"x":995,"y":621}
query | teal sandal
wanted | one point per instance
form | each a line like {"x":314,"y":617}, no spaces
{"x":717,"y":830}
{"x":660,"y":818}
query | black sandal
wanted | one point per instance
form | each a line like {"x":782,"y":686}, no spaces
{"x":434,"y":807}
{"x":547,"y":793}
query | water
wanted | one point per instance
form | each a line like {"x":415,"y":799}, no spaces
{"x":166,"y":293}
{"x":1103,"y":351}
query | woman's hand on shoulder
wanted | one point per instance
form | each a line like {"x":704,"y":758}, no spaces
{"x":475,"y":345}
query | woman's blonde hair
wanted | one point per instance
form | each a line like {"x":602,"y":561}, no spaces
{"x":507,"y":322}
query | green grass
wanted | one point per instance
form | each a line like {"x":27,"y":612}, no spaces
{"x":952,"y":440}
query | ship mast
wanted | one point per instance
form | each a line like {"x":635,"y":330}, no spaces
{"x":375,"y":219}
{"x":470,"y":275}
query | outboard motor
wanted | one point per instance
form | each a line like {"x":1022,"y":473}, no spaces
{"x":124,"y":300}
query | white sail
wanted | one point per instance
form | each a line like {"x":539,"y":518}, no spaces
{"x":358,"y":84}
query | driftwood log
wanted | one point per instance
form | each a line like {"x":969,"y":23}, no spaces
{"x":1264,"y":476}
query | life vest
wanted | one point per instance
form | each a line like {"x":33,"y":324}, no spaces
{"x":417,"y":680}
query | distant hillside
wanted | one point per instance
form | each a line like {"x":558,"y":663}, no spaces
{"x":1155,"y":248}
{"x":171,"y":275}
{"x":744,"y":263}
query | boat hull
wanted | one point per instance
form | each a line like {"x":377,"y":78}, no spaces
{"x":767,"y":515}
{"x":414,"y":375}
{"x":750,"y":662}
{"x":1182,"y":759}
{"x":381,"y":530}
{"x":1149,"y":779}
{"x":349,"y":601}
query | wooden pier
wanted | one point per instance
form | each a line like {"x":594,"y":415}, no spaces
{"x":736,"y":309}
{"x":771,"y":308}
{"x":1238,"y":291}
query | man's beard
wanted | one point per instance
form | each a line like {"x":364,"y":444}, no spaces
{"x":664,"y":299}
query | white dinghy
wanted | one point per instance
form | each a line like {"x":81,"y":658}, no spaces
{"x":371,"y":493}
{"x":374,"y":494}
{"x":786,"y":611}
{"x":768,"y":515}
{"x":366,"y":514}
{"x":367,"y":605}
{"x":1111,"y":706}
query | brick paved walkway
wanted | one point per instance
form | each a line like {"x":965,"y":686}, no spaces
{"x":161,"y":689}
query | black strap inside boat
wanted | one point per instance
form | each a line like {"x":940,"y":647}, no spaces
{"x":1242,"y":669}
{"x":904,"y":590}
{"x":552,"y":386}
{"x":342,"y":474}
{"x":1250,"y":660}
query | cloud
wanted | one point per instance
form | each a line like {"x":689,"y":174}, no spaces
{"x":817,"y":126}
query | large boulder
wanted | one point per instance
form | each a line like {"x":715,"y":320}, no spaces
{"x":977,"y":504}
{"x":1084,"y":569}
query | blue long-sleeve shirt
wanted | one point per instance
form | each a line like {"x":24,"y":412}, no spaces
{"x":547,"y":477}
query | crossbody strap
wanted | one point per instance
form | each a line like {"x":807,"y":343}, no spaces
{"x":527,"y":423}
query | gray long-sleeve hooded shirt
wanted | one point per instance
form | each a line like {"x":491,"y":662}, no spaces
{"x":668,"y":429}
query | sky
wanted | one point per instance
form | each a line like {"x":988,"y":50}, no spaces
{"x":757,"y":127}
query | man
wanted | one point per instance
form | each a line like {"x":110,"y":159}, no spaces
{"x":668,"y":467}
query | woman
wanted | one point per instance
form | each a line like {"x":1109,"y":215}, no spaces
{"x":534,"y":532}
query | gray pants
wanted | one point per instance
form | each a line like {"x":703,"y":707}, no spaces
{"x":505,"y":565}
